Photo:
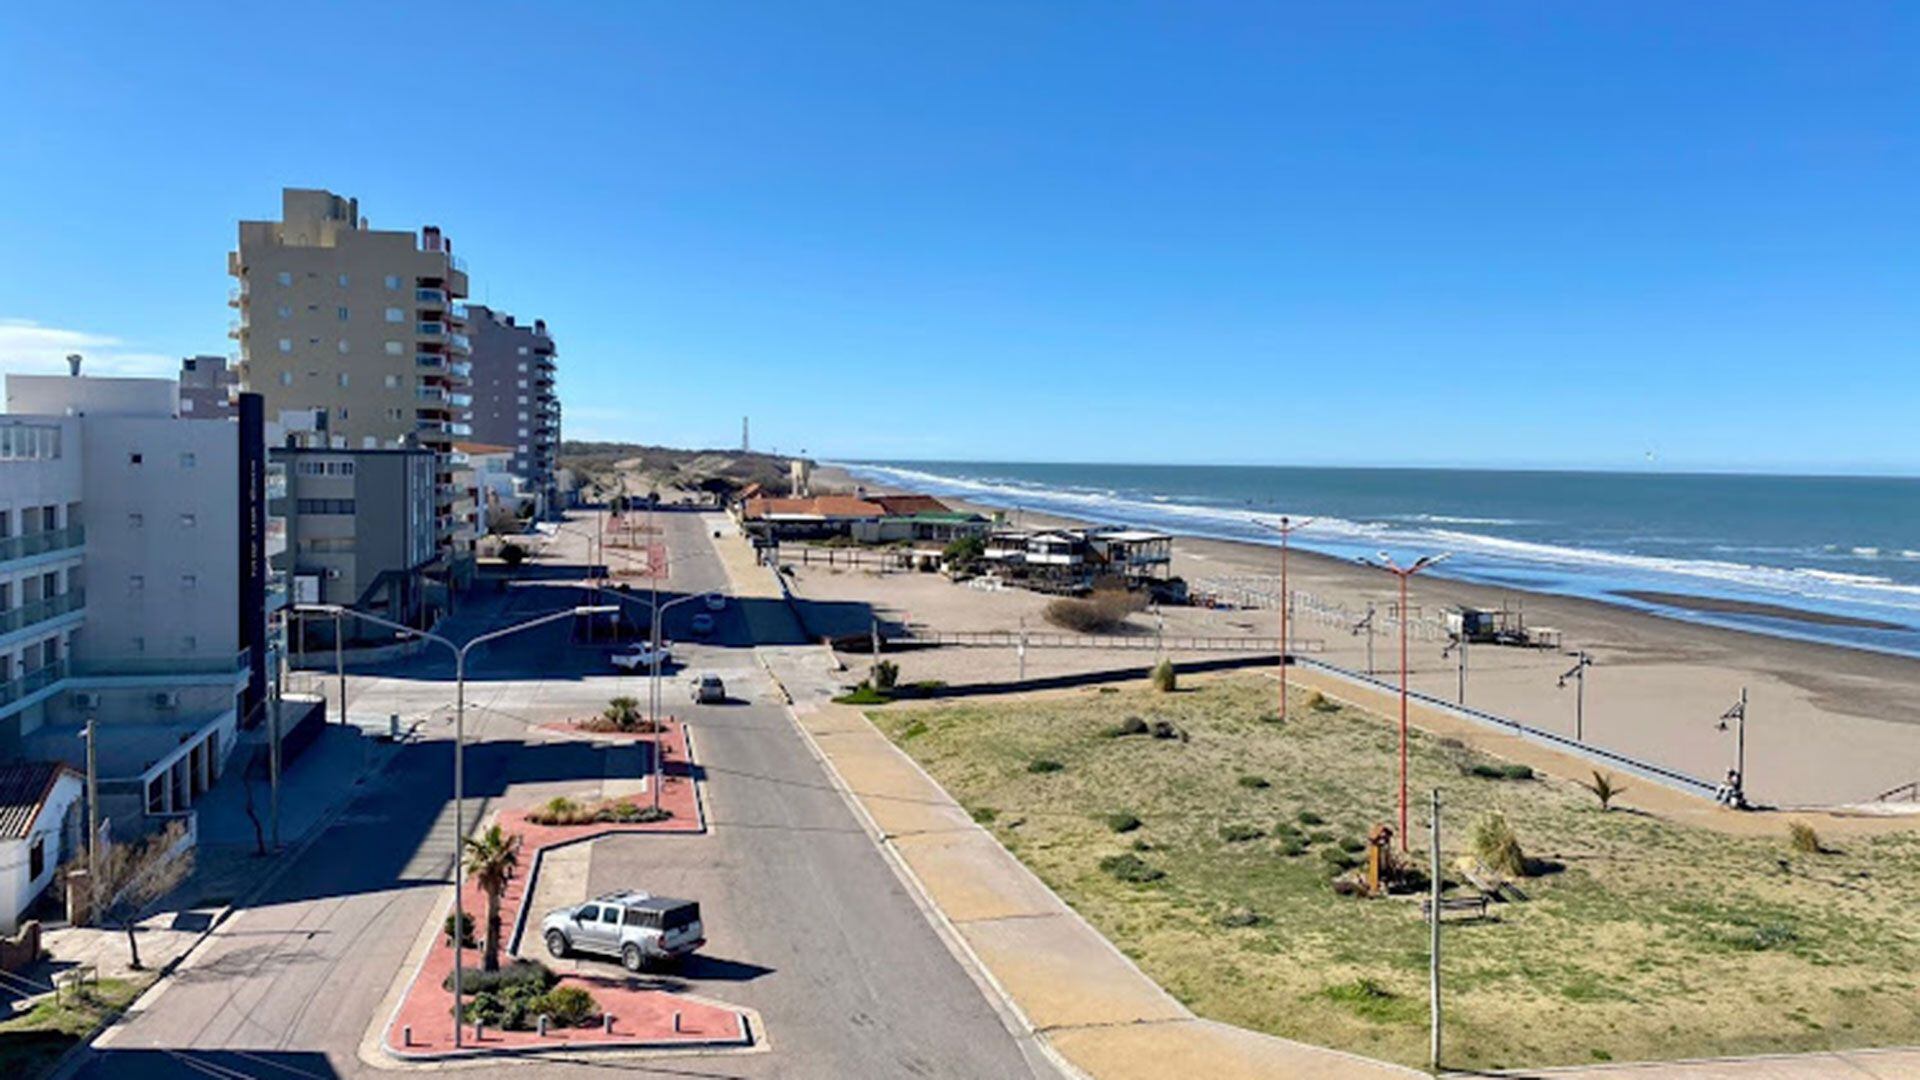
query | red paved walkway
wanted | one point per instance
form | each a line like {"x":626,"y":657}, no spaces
{"x":641,"y":1017}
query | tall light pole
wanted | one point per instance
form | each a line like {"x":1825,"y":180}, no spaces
{"x":1286,"y":529}
{"x":656,"y":617}
{"x":1458,"y":647}
{"x":1367,"y":625}
{"x":1403,"y":573}
{"x":1738,"y":714}
{"x":1578,"y":673}
{"x":459,"y":748}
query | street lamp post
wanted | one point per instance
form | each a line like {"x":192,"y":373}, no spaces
{"x":1738,"y":714}
{"x":1367,"y":625}
{"x":1578,"y":673}
{"x":655,"y":619}
{"x":1458,"y":647}
{"x":1403,"y":573}
{"x":1286,"y":529}
{"x":459,"y":747}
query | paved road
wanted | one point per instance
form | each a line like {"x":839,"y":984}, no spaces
{"x":807,"y":924}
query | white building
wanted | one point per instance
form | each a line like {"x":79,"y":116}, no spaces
{"x":133,"y":583}
{"x":42,"y":826}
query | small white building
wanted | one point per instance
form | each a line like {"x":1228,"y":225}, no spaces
{"x":42,"y":826}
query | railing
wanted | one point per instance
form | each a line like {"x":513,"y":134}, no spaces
{"x":430,"y":296}
{"x":461,"y":369}
{"x":39,"y":611}
{"x":431,"y":329}
{"x":32,"y":682}
{"x":39,"y":543}
{"x":212,"y":665}
{"x":430,"y":360}
{"x":430,"y":393}
{"x":1145,"y":641}
{"x":460,"y":342}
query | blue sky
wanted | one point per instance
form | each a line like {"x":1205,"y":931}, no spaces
{"x":1517,"y":234}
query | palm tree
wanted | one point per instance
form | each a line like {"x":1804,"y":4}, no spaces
{"x":1604,"y":788}
{"x":492,"y":857}
{"x":624,"y":711}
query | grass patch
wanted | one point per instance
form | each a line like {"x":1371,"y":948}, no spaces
{"x":864,"y":694}
{"x":32,"y":1041}
{"x":1653,"y":941}
{"x":1122,"y":822}
{"x":1255,"y":783}
{"x":1044,"y":765}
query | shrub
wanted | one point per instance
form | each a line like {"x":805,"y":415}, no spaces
{"x":1131,"y":868}
{"x":886,"y":675}
{"x":519,"y":973}
{"x":567,"y":1006}
{"x":561,"y":810}
{"x":1495,"y":844}
{"x":1254,"y":783}
{"x":1132,"y":725}
{"x":1320,"y":836}
{"x":1308,"y":817}
{"x":1337,"y":861}
{"x":1352,"y":845}
{"x":466,"y":930}
{"x":1167,"y":729}
{"x":1604,"y":788}
{"x":983,"y":815}
{"x":1163,"y":678}
{"x":623,"y":712}
{"x":1140,"y":843}
{"x":1320,"y":702}
{"x":1122,"y":822}
{"x":1489,"y":771}
{"x":1291,"y":846}
{"x":1285,"y":829}
{"x":1517,"y":772}
{"x":1103,"y":612}
{"x":512,"y":554}
{"x":1240,"y":832}
{"x":864,"y":694}
{"x":1044,"y":765}
{"x":1803,"y":839}
{"x":1240,"y":916}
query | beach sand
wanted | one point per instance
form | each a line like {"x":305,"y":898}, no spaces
{"x":1826,"y":724}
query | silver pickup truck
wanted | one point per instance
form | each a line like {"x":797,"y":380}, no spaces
{"x":637,"y":927}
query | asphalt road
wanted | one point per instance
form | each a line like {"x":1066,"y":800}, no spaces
{"x":806,"y":923}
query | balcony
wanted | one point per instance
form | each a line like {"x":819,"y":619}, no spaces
{"x":436,"y":394}
{"x":462,"y":369}
{"x":433,"y":362}
{"x":460,"y":429}
{"x":460,"y":342}
{"x":460,"y":401}
{"x":237,"y":329}
{"x":32,"y":682}
{"x":237,"y":296}
{"x":27,"y":544}
{"x":433,"y":297}
{"x":435,"y":330}
{"x":39,"y":611}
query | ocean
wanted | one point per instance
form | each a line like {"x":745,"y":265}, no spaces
{"x":1841,"y":546}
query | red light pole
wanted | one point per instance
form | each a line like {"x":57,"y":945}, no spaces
{"x":1403,"y":573}
{"x":1286,"y":528}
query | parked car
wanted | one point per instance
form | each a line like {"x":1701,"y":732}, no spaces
{"x":716,"y":602}
{"x":703,"y":624}
{"x":637,"y":927}
{"x":707,"y":689}
{"x":640,"y":657}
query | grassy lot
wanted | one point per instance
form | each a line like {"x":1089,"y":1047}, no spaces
{"x":32,"y":1041}
{"x":1651,"y":940}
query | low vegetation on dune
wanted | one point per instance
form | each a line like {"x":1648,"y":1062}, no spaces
{"x":1211,"y":859}
{"x":1103,"y":611}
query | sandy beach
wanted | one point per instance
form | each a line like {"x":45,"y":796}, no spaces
{"x":1827,"y":724}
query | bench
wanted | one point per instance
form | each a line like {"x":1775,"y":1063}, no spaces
{"x":1471,"y":906}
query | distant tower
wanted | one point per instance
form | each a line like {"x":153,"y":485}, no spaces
{"x":745,"y":445}
{"x":800,"y":477}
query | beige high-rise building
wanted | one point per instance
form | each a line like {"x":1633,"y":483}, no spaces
{"x":357,"y":326}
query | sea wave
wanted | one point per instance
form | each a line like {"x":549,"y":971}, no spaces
{"x":1588,"y":571}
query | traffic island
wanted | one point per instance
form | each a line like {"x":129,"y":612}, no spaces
{"x":642,"y":1015}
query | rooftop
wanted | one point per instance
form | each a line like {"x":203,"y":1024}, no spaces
{"x":24,"y":787}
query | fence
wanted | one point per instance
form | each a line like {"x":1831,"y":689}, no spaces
{"x":1262,"y":592}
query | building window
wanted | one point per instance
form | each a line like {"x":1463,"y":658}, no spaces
{"x":286,"y":344}
{"x":343,"y":346}
{"x":343,"y":375}
{"x":188,"y":521}
{"x":394,"y":314}
{"x":325,"y":506}
{"x":139,"y":644}
{"x":523,"y":367}
{"x":343,"y":281}
{"x":284,"y":311}
{"x":286,"y":378}
{"x":188,"y":460}
{"x":136,"y":458}
{"x":523,"y":384}
{"x":343,"y":314}
{"x":189,"y":643}
{"x":136,"y":520}
{"x":186,"y":405}
{"x":393,"y":282}
{"x":395,"y":348}
{"x":136,"y":583}
{"x":393,"y":382}
{"x":37,"y":858}
{"x":189,"y":581}
{"x":284,"y":277}
{"x":523,"y":352}
{"x":396,"y":414}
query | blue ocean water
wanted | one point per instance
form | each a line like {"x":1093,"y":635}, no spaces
{"x":1846,"y":546}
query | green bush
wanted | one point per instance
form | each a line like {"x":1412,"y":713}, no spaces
{"x":1132,"y":725}
{"x":567,"y":1006}
{"x":516,"y":974}
{"x":1495,"y":845}
{"x":1337,"y":861}
{"x":1320,"y":836}
{"x":1122,"y":822}
{"x":1488,"y":771}
{"x":1517,"y":772}
{"x":1164,"y":679}
{"x":1320,"y":702}
{"x":1308,"y":817}
{"x":984,"y":815}
{"x":886,"y":674}
{"x":1291,"y":846}
{"x":1802,"y":838}
{"x":1044,"y":765}
{"x":1352,"y":845}
{"x":1240,"y":832}
{"x":466,"y":930}
{"x":1239,"y":917}
{"x":1131,"y":868}
{"x":1254,"y":783}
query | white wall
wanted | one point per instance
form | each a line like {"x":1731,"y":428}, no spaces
{"x":17,"y":889}
{"x":61,"y":395}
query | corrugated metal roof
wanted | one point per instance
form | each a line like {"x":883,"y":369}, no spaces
{"x":24,"y":787}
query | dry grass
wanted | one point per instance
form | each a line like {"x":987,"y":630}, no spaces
{"x":1654,"y":941}
{"x":1104,"y":612}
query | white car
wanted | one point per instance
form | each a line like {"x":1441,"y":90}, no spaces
{"x":716,"y":602}
{"x":641,"y":657}
{"x":632,"y":925}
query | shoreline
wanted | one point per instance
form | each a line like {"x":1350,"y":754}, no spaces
{"x":1725,"y":605}
{"x":1831,"y":723}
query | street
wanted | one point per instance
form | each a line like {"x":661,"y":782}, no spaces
{"x":806,"y":923}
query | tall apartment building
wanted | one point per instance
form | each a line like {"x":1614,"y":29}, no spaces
{"x":359,"y":328}
{"x":514,"y":401}
{"x":133,"y":578}
{"x":359,"y":532}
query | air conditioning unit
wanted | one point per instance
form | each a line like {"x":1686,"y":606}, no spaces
{"x":86,"y":699}
{"x":333,"y":574}
{"x":166,"y":699}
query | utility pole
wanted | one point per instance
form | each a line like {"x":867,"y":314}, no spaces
{"x":340,"y":662}
{"x":93,"y":824}
{"x":273,"y":766}
{"x":1458,"y":646}
{"x":1286,"y":529}
{"x":1403,"y":573}
{"x":1367,"y":625}
{"x":1578,"y":673}
{"x":1738,"y":714}
{"x":1433,"y":952}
